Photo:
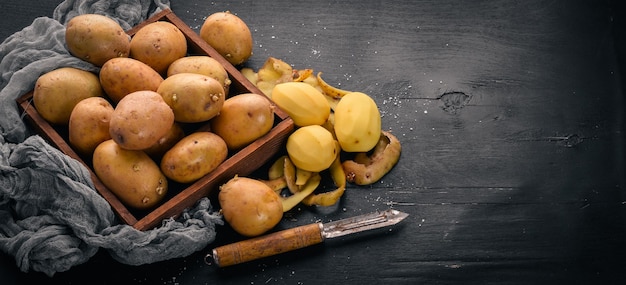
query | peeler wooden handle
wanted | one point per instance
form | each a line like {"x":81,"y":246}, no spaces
{"x":268,"y":245}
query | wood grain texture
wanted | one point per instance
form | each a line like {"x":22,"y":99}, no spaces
{"x":511,"y":119}
{"x":267,"y":245}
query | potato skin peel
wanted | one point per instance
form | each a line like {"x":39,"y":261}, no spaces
{"x":365,"y":170}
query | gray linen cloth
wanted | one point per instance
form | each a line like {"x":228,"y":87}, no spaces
{"x":51,"y":217}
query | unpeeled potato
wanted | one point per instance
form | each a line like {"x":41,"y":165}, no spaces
{"x":201,"y":64}
{"x":158,"y":44}
{"x":249,"y":206}
{"x":140,"y":119}
{"x":96,"y":38}
{"x":194,"y":156}
{"x":243,"y":119}
{"x":122,"y":76}
{"x":193,"y":97}
{"x":229,"y":35}
{"x":130,"y":174}
{"x":58,"y":91}
{"x":175,"y":134}
{"x":89,"y":124}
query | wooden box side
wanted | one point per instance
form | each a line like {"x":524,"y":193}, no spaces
{"x":242,"y":163}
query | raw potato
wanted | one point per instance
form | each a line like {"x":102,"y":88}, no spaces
{"x":312,"y":148}
{"x":357,"y":122}
{"x":96,"y":38}
{"x":249,"y":206}
{"x":194,"y":156}
{"x":302,"y":102}
{"x":366,"y":168}
{"x":201,"y":64}
{"x":193,"y":97}
{"x":158,"y":44}
{"x":58,"y":91}
{"x":175,"y":134}
{"x":130,"y":174}
{"x":243,"y":119}
{"x":122,"y":76}
{"x":140,"y":119}
{"x":89,"y":124}
{"x":229,"y":35}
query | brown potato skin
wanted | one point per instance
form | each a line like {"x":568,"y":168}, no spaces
{"x":229,"y":35}
{"x":140,"y":119}
{"x":130,"y":174}
{"x":193,"y":97}
{"x":89,"y":124}
{"x":158,"y":44}
{"x":57,"y":92}
{"x":194,"y":156}
{"x":96,"y":38}
{"x":166,"y":142}
{"x":243,"y":119}
{"x":367,"y":168}
{"x":122,"y":76}
{"x":201,"y":64}
{"x":249,"y":206}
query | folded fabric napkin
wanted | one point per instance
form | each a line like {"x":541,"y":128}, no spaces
{"x":51,"y":217}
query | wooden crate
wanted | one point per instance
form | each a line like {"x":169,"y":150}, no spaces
{"x":242,"y":162}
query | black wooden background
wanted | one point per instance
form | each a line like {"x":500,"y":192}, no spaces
{"x":511,"y":117}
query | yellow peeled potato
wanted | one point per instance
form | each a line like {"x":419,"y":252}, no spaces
{"x":243,"y":119}
{"x":89,"y":124}
{"x":357,"y":122}
{"x":131,"y":175}
{"x":201,"y":64}
{"x":228,"y":35}
{"x":122,"y":76}
{"x":58,"y":91}
{"x":249,"y":206}
{"x":194,"y":156}
{"x":304,"y":103}
{"x":140,"y":119}
{"x":312,"y":148}
{"x":158,"y":44}
{"x":96,"y":38}
{"x":193,"y":97}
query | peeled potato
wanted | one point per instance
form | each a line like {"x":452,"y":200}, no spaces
{"x":249,"y":206}
{"x":229,"y":35}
